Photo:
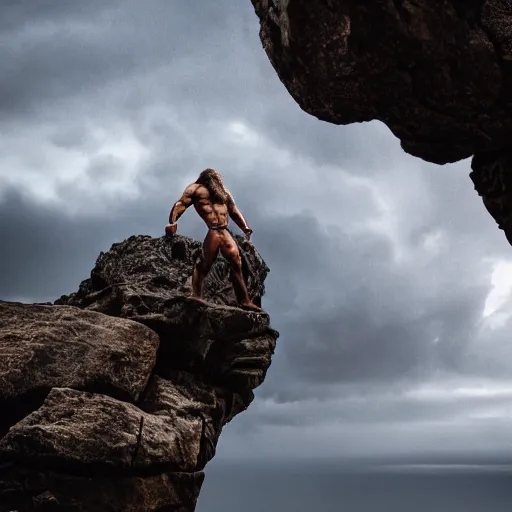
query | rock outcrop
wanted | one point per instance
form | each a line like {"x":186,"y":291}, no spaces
{"x":114,"y":397}
{"x":438,"y":74}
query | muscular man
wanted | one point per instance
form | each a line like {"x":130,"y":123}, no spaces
{"x":215,"y":205}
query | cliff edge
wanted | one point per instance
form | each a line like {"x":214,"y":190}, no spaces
{"x":114,"y":397}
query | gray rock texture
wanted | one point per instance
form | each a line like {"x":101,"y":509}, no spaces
{"x":437,"y":73}
{"x":116,"y":395}
{"x":44,"y":346}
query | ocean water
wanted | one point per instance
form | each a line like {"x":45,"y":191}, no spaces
{"x":236,"y":487}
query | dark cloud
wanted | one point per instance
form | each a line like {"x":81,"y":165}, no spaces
{"x":57,"y":53}
{"x":20,"y":14}
{"x":43,"y":252}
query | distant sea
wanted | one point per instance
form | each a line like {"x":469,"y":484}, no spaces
{"x":236,"y":487}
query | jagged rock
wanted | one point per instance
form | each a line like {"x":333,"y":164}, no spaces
{"x":185,"y":396}
{"x":89,"y":433}
{"x":435,"y":72}
{"x":148,"y":280}
{"x":242,"y":365}
{"x":142,"y":274}
{"x":438,"y":74}
{"x":492,"y":177}
{"x":98,"y":436}
{"x":46,"y":346}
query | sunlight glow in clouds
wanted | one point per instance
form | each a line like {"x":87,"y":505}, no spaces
{"x":433,"y":242}
{"x":242,"y":134}
{"x":84,"y":176}
{"x":447,"y":391}
{"x":502,"y":287}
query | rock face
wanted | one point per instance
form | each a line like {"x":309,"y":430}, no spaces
{"x":492,"y":177}
{"x":114,"y":397}
{"x":437,"y":73}
{"x":43,"y":347}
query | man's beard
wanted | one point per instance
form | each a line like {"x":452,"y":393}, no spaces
{"x":213,"y":183}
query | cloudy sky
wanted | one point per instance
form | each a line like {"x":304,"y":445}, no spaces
{"x":390,"y":283}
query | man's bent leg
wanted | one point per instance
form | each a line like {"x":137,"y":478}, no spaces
{"x":210,"y":251}
{"x":237,"y":279}
{"x":229,"y":250}
{"x":200,"y":272}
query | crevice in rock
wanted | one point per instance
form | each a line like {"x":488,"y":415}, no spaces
{"x":91,"y":470}
{"x":468,"y":10}
{"x":171,"y":358}
{"x":207,"y":448}
{"x":15,"y":410}
{"x":138,"y":443}
{"x":179,"y":251}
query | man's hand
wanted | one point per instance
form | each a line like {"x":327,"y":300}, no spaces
{"x":170,"y":229}
{"x":248,"y":233}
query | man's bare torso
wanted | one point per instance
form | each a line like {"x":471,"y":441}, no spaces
{"x":213,"y":214}
{"x":214,"y":204}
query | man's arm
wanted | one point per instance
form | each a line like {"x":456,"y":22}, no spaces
{"x":180,"y":206}
{"x":237,"y":217}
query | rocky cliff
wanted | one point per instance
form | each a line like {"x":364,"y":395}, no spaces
{"x":113,"y":398}
{"x":438,"y":73}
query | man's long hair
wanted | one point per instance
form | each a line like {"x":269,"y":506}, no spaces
{"x":212,"y":181}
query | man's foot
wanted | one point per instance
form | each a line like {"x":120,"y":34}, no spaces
{"x":250,"y":307}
